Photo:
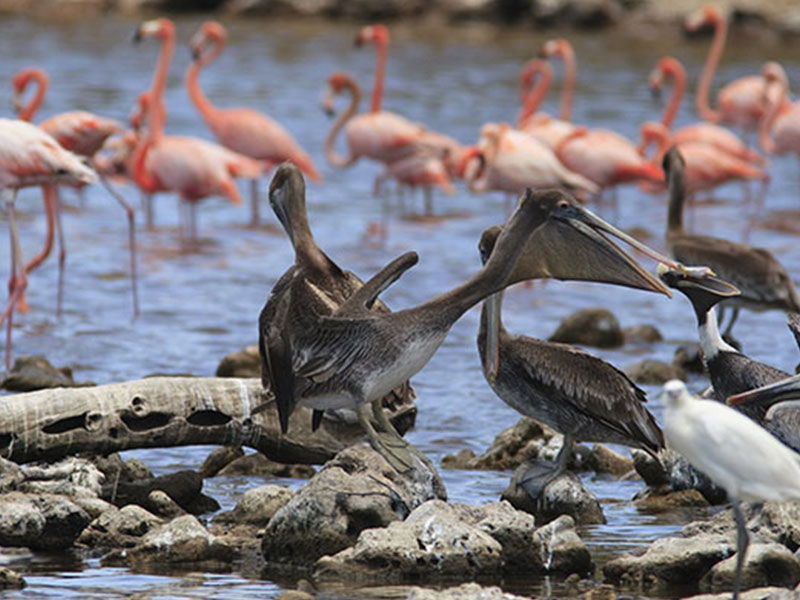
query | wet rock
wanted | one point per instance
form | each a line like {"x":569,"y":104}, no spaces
{"x":665,"y":500}
{"x":465,"y":591}
{"x":772,"y":522}
{"x":642,"y":334}
{"x":356,"y":490}
{"x":566,"y":495}
{"x":295,"y":595}
{"x":764,"y":564}
{"x":182,"y":540}
{"x":11,"y":579}
{"x":763,"y":593}
{"x":258,"y":464}
{"x":689,"y":358}
{"x":669,"y":562}
{"x":116,"y":469}
{"x":183,"y":487}
{"x":603,"y":459}
{"x":31,"y":373}
{"x":219,"y":459}
{"x":119,"y":528}
{"x":654,"y":372}
{"x":40,"y":521}
{"x":257,"y":506}
{"x":512,"y":446}
{"x":596,"y":327}
{"x":245,"y":363}
{"x":672,"y":471}
{"x":73,"y":477}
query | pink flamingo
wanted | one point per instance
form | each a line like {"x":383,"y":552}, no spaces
{"x":83,"y":133}
{"x":779,"y":131}
{"x":706,"y":166}
{"x":563,"y":49}
{"x":703,"y":131}
{"x":739,"y":102}
{"x":243,"y":130}
{"x":546,"y":129}
{"x":515,"y":160}
{"x":30,"y":157}
{"x":191,"y":167}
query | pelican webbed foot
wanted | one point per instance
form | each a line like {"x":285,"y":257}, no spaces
{"x":538,"y":475}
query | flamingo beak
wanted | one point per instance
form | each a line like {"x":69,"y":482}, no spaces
{"x":327,"y":102}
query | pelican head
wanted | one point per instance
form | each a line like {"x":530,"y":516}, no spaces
{"x":287,"y":192}
{"x":785,"y":389}
{"x":703,"y":288}
{"x":570,"y":242}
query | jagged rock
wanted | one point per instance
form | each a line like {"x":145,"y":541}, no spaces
{"x":642,"y":334}
{"x":40,"y":521}
{"x":689,"y":358}
{"x":763,"y":593}
{"x":654,"y":372}
{"x":673,"y":472}
{"x":116,"y":469}
{"x":10,"y":579}
{"x":119,"y":528}
{"x":774,"y":522}
{"x":219,"y":459}
{"x":257,"y":506}
{"x":73,"y":477}
{"x":10,"y":475}
{"x":31,"y":373}
{"x":596,"y":327}
{"x":465,"y":591}
{"x":258,"y":464}
{"x":566,"y":495}
{"x":183,"y":487}
{"x":356,"y":490}
{"x":182,"y":540}
{"x":245,"y":363}
{"x":664,"y":500}
{"x":764,"y":564}
{"x":603,"y":459}
{"x":439,"y":540}
{"x":669,"y":561}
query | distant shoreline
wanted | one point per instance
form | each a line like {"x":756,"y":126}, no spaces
{"x":778,"y":17}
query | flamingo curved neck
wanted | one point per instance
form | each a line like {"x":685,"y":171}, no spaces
{"x":39,"y":77}
{"x":199,"y":99}
{"x":714,"y":54}
{"x":567,"y":55}
{"x":157,"y":113}
{"x":765,"y":140}
{"x":334,"y":158}
{"x":535,"y":97}
{"x":380,"y":72}
{"x":674,"y":69}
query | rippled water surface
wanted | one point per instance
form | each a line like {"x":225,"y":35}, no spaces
{"x":198,"y":307}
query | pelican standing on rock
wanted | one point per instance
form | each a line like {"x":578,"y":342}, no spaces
{"x":737,"y":454}
{"x":575,"y":393}
{"x":763,"y":282}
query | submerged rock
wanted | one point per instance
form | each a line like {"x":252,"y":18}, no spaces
{"x":597,"y":327}
{"x":31,"y":373}
{"x":566,"y":495}
{"x":184,"y":488}
{"x":465,"y":591}
{"x":654,"y":372}
{"x":356,"y":490}
{"x":10,"y":579}
{"x":642,"y":334}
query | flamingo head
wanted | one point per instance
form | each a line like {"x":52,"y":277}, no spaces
{"x":158,"y":28}
{"x":556,"y":47}
{"x":533,"y":68}
{"x":378,"y":34}
{"x":210,"y":33}
{"x":20,"y":83}
{"x":773,"y":74}
{"x":707,"y":15}
{"x":654,"y":80}
{"x":337,"y":82}
{"x":140,"y":110}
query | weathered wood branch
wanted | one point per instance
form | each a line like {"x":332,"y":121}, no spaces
{"x":167,"y":411}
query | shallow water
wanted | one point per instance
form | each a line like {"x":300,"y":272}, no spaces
{"x":198,"y":307}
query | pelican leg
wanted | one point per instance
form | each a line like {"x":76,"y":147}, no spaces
{"x":742,"y":541}
{"x":391,"y":446}
{"x":540,"y":473}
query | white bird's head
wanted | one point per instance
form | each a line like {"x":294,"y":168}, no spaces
{"x":675,"y":392}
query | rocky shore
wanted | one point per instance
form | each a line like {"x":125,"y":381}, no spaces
{"x":778,"y":16}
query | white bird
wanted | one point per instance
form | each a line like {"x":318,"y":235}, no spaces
{"x":740,"y":456}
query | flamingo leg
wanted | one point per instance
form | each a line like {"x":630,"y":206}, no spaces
{"x":131,"y":238}
{"x":49,"y":211}
{"x":428,"y":200}
{"x":62,"y":251}
{"x":255,"y":216}
{"x":147,"y":202}
{"x":18,"y":279}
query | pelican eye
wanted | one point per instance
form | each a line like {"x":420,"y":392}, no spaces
{"x":562,"y":204}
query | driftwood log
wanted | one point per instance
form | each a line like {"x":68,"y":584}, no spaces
{"x":168,"y":411}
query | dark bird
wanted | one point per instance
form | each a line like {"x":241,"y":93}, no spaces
{"x":326,"y":288}
{"x":575,"y":393}
{"x":763,"y":282}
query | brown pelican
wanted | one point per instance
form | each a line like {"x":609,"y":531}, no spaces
{"x":351,"y":357}
{"x":575,"y":393}
{"x":763,"y":282}
{"x":730,"y":371}
{"x":328,"y":287}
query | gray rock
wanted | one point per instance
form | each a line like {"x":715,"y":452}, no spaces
{"x":566,"y":495}
{"x":774,"y":522}
{"x":257,"y":506}
{"x":661,"y":500}
{"x":669,"y":561}
{"x":602,"y":459}
{"x":245,"y":363}
{"x":31,"y":373}
{"x":672,"y":472}
{"x":596,"y":327}
{"x":764,"y":564}
{"x":654,"y":372}
{"x":689,"y":358}
{"x":40,"y":521}
{"x":182,"y":540}
{"x":763,"y":593}
{"x":642,"y":334}
{"x":74,"y":477}
{"x":258,"y":464}
{"x":465,"y":591}
{"x":356,"y":490}
{"x":119,"y":528}
{"x":218,"y":459}
{"x":10,"y":579}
